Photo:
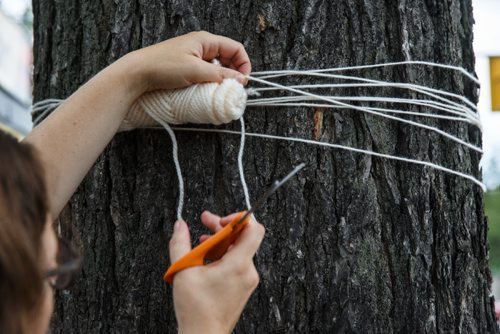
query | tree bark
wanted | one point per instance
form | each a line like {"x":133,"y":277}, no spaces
{"x":354,"y":244}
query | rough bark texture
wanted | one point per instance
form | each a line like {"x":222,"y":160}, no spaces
{"x":354,"y":244}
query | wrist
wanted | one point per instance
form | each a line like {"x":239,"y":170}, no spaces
{"x":130,"y":73}
{"x":192,"y":324}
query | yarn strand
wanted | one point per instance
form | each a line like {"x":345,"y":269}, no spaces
{"x":396,"y":63}
{"x":240,"y":165}
{"x":393,"y":111}
{"x":175,"y":155}
{"x":342,"y":147}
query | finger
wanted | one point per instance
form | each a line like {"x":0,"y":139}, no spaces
{"x":248,"y":241}
{"x":214,"y":223}
{"x":226,"y":62}
{"x":228,"y":73}
{"x":226,"y":220}
{"x":180,"y":243}
{"x":204,"y":237}
{"x":207,"y":72}
{"x":211,"y":221}
{"x":221,"y":47}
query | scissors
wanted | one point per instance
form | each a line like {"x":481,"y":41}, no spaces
{"x":214,"y":247}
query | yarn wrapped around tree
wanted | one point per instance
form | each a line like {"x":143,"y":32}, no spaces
{"x":208,"y":103}
{"x":214,"y":103}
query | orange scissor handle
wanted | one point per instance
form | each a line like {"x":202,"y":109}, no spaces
{"x":213,"y":248}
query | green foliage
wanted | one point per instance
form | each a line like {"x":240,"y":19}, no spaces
{"x":492,"y":209}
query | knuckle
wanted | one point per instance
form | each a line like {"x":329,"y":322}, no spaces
{"x":247,"y":274}
{"x":240,"y":269}
{"x":202,"y":33}
{"x":252,"y":278}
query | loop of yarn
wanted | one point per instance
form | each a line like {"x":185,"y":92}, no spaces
{"x":208,"y":103}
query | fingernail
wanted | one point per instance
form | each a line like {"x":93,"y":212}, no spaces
{"x":241,"y":79}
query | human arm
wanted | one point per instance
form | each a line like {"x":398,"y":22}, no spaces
{"x":74,"y":135}
{"x":210,"y":299}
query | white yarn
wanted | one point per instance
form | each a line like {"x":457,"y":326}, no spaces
{"x":240,"y":165}
{"x":360,"y":67}
{"x":393,"y":111}
{"x":453,"y":109}
{"x":157,"y":116}
{"x":45,"y":107}
{"x":203,"y":104}
{"x":370,"y":111}
{"x":348,"y":148}
{"x":214,"y":103}
{"x":435,"y":93}
{"x":208,"y":103}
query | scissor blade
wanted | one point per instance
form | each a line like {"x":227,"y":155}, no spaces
{"x":271,"y":190}
{"x":292,"y":173}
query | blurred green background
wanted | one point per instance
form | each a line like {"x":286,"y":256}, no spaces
{"x":492,"y":208}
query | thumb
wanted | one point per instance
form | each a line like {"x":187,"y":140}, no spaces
{"x":208,"y":72}
{"x":229,"y":73}
{"x":180,"y":243}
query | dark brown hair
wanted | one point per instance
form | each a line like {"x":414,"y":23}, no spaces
{"x":23,"y":212}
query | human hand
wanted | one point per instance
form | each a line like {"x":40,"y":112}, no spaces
{"x":185,"y":60}
{"x":210,"y":298}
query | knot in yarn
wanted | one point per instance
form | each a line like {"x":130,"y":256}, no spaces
{"x":208,"y":103}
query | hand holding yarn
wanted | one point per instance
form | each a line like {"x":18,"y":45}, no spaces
{"x":185,"y":60}
{"x":209,"y":103}
{"x":214,"y":94}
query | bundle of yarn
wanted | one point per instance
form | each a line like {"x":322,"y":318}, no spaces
{"x":208,"y":103}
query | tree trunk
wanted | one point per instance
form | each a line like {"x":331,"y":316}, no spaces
{"x":354,"y":244}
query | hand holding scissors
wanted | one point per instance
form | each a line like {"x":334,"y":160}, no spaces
{"x":214,"y":247}
{"x":210,"y":298}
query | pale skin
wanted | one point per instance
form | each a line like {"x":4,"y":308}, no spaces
{"x":207,"y":299}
